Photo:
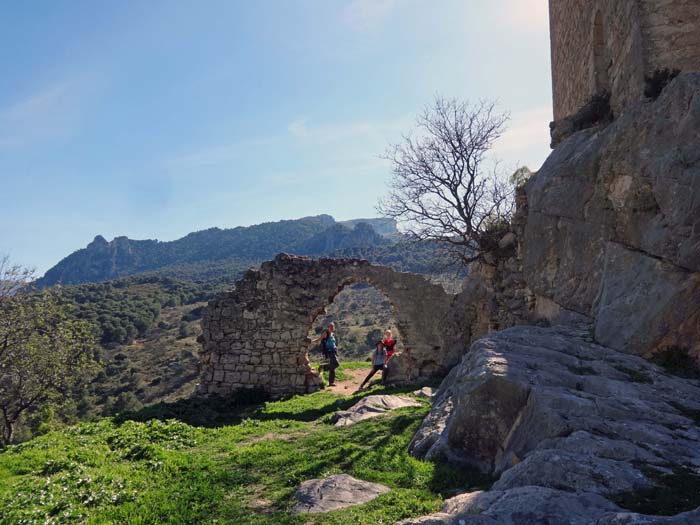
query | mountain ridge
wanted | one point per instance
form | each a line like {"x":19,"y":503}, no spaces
{"x":238,"y":248}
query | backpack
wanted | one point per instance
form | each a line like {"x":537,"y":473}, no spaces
{"x":324,"y":348}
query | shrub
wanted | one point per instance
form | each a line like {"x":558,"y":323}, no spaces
{"x":657,"y":81}
{"x":596,"y":111}
{"x":677,"y":361}
{"x":185,"y":330}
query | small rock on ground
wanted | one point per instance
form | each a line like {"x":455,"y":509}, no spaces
{"x":426,"y":392}
{"x":334,"y":492}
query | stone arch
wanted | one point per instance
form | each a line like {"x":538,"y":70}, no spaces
{"x":255,"y":336}
{"x":385,"y":315}
{"x":601,"y":56}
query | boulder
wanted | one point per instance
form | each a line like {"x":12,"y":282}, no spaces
{"x":549,"y":407}
{"x":334,"y":492}
{"x":371,"y":406}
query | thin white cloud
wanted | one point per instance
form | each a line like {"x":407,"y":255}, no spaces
{"x":298,"y":128}
{"x":374,"y":134}
{"x":362,"y":15}
{"x":51,"y":112}
{"x":370,"y":130}
{"x":215,"y":155}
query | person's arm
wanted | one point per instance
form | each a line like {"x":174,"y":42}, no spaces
{"x":319,"y":338}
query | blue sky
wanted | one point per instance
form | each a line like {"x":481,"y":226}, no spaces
{"x":153,"y":119}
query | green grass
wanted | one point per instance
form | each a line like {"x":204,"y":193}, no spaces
{"x":153,"y":471}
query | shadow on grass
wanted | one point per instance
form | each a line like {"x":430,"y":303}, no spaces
{"x":216,"y":411}
{"x":209,"y":412}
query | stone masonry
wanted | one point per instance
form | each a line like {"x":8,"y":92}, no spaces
{"x":256,"y":335}
{"x":603,"y":45}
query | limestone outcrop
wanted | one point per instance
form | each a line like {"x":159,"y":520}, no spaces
{"x":525,"y":505}
{"x":335,"y":492}
{"x":256,"y":335}
{"x":549,"y":407}
{"x":612,"y":226}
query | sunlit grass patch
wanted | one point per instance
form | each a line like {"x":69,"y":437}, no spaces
{"x":153,"y":471}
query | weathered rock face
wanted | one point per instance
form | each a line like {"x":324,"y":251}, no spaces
{"x":540,"y":505}
{"x":335,"y":492}
{"x":613,"y":226}
{"x":256,"y":335}
{"x":548,"y":407}
{"x":371,"y":406}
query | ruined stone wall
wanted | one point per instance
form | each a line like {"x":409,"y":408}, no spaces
{"x":496,"y":294}
{"x":256,"y":335}
{"x":603,"y":44}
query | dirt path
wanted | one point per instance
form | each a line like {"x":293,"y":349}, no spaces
{"x":348,"y":386}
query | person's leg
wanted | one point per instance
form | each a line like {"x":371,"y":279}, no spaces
{"x":331,"y":372}
{"x":369,"y":376}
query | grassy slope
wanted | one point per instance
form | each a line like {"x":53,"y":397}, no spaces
{"x":244,"y":471}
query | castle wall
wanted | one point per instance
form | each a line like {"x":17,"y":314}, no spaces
{"x":584,"y":53}
{"x":611,"y":45}
{"x":671,"y":34}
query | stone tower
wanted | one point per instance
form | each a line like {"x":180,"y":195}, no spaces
{"x":610,"y":45}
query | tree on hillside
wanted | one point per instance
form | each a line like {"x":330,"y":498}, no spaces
{"x":43,"y":354}
{"x":13,"y":277}
{"x":443,"y":188}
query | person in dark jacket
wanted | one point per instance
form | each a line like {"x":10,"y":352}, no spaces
{"x":329,"y":346}
{"x":378,"y":362}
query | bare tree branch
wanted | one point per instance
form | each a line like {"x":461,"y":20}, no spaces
{"x":440,"y":189}
{"x":13,"y":277}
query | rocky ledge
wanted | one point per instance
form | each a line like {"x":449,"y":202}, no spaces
{"x":546,"y":408}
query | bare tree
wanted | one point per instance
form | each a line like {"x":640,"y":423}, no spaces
{"x":443,"y":189}
{"x":13,"y":277}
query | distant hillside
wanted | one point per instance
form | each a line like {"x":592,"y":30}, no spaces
{"x":383,"y":226}
{"x":339,"y":237}
{"x":212,"y":253}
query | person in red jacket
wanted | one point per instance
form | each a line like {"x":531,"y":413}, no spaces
{"x":389,"y":342}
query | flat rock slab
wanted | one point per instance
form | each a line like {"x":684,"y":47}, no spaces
{"x":335,"y":492}
{"x":372,"y":406}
